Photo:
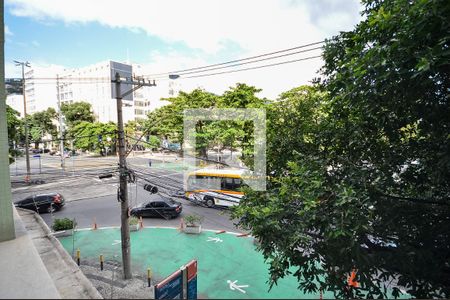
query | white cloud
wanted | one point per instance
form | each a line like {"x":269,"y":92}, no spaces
{"x":203,"y":24}
{"x":273,"y":80}
{"x":8,"y":32}
{"x":255,"y":26}
{"x":13,"y":71}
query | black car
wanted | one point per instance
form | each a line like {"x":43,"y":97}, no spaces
{"x":42,"y":202}
{"x":161,"y":208}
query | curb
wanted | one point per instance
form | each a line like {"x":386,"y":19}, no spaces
{"x":88,"y":287}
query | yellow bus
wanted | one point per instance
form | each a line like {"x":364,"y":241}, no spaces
{"x":215,"y":187}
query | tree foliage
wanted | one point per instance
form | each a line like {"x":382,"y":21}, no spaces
{"x":94,"y":136}
{"x":13,"y":123}
{"x":77,"y":112}
{"x":41,"y":124}
{"x":167,"y":121}
{"x":360,"y":165}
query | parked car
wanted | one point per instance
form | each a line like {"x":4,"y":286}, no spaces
{"x":37,"y":151}
{"x":52,"y":152}
{"x":161,"y":208}
{"x":42,"y":202}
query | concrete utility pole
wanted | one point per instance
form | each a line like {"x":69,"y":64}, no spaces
{"x":123,"y":188}
{"x":61,"y":127}
{"x":123,"y":194}
{"x":7,"y":231}
{"x":27,"y":154}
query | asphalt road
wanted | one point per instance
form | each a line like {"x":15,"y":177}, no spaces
{"x":90,"y":198}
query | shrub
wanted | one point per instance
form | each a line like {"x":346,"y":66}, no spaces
{"x":63,"y":224}
{"x":192,"y":220}
{"x":133,"y":220}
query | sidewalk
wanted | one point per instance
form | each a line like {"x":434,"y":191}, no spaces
{"x":23,"y":274}
{"x":34,"y":265}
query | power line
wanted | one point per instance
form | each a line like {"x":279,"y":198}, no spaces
{"x":238,"y":60}
{"x":250,"y":62}
{"x":254,"y":68}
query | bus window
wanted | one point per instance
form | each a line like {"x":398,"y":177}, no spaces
{"x":237,"y":184}
{"x":227,"y":184}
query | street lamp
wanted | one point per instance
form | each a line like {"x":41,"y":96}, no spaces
{"x":27,"y":155}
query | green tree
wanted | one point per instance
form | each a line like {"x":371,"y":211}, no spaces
{"x":13,"y":123}
{"x":167,"y":121}
{"x":41,"y":124}
{"x":77,"y":112}
{"x":94,"y":136}
{"x":365,"y":181}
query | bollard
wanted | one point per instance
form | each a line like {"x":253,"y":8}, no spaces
{"x":101,"y":262}
{"x":181,"y":224}
{"x":78,"y":256}
{"x":149,"y":277}
{"x":94,"y":225}
{"x":141,"y":223}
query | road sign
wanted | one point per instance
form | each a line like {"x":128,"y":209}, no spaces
{"x":125,"y":71}
{"x":171,"y":287}
{"x":37,"y":155}
{"x":192,"y":288}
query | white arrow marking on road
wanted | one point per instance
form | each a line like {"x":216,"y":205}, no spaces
{"x":234,"y":286}
{"x":216,"y":240}
{"x":116,"y":242}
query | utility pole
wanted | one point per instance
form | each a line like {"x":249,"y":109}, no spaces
{"x":27,"y":154}
{"x":7,"y":230}
{"x":123,"y":174}
{"x":61,"y":127}
{"x":123,"y":189}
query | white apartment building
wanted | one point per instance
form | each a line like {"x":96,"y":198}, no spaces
{"x":40,"y":88}
{"x":90,"y":84}
{"x":16,"y":102}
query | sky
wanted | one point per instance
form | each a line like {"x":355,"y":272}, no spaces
{"x":171,"y":35}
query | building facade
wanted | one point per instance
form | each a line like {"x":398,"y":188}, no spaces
{"x":44,"y":87}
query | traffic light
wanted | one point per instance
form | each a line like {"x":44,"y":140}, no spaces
{"x":101,"y":176}
{"x":151,"y":188}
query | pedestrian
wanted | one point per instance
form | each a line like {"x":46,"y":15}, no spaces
{"x":149,"y":162}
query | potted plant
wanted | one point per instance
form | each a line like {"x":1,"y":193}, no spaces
{"x":134,"y":223}
{"x":63,"y":227}
{"x":193,"y":224}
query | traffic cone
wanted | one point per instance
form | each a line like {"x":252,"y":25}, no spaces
{"x":94,"y":226}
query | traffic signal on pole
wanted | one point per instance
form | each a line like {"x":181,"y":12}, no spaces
{"x":151,"y":188}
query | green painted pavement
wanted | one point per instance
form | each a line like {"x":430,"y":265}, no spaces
{"x":164,"y":250}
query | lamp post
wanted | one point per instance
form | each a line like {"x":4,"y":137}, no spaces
{"x":27,"y":154}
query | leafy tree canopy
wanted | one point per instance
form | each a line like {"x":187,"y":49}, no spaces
{"x":40,"y":124}
{"x":360,"y":165}
{"x":94,"y":136}
{"x":13,"y":123}
{"x":77,"y":112}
